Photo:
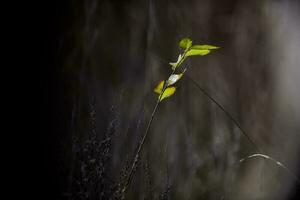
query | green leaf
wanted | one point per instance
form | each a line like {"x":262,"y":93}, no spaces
{"x":197,"y":52}
{"x":159,"y":87}
{"x":204,"y":47}
{"x":167,"y":93}
{"x":185,"y":43}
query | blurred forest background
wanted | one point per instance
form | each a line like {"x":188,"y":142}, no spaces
{"x":104,"y":57}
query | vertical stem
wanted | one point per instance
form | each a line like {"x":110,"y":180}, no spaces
{"x":137,"y":155}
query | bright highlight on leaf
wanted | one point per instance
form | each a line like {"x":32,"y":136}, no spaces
{"x":159,"y":87}
{"x":174,"y":78}
{"x":185,"y":43}
{"x":197,"y":52}
{"x":204,"y":47}
{"x":167,"y":93}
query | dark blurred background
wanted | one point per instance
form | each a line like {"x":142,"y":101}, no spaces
{"x":100,"y":61}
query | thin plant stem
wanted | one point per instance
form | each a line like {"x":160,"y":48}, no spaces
{"x":137,"y":155}
{"x":130,"y":176}
{"x":259,"y":151}
{"x":258,"y":155}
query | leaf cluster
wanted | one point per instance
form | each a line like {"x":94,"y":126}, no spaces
{"x":163,"y":88}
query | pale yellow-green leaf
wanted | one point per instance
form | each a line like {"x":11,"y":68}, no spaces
{"x":167,"y":93}
{"x":204,"y":47}
{"x":175,"y":64}
{"x":185,"y":43}
{"x":174,"y":78}
{"x":159,"y":87}
{"x":197,"y":52}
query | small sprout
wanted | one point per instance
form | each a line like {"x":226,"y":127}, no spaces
{"x":189,"y":50}
{"x":174,"y":65}
{"x":167,"y":93}
{"x":204,"y":47}
{"x":185,"y":43}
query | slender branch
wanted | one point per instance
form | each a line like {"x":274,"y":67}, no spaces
{"x":227,"y":114}
{"x":259,"y":152}
{"x":137,"y":155}
{"x":273,"y":161}
{"x":130,"y":176}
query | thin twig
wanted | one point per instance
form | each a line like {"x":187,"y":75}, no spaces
{"x":227,"y":114}
{"x":131,"y":173}
{"x":273,"y":161}
{"x":139,"y":149}
{"x":137,"y":155}
{"x":259,"y":151}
